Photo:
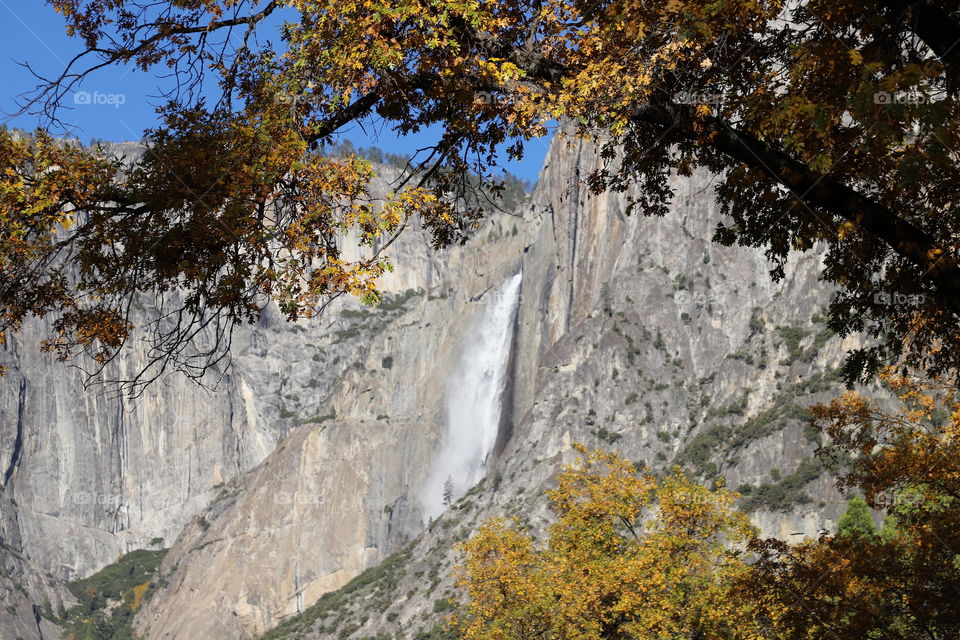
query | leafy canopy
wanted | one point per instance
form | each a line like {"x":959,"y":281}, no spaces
{"x":831,"y":122}
{"x":903,"y":583}
{"x":635,"y":556}
{"x":629,"y":556}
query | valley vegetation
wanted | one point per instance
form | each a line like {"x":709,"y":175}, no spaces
{"x":640,"y":556}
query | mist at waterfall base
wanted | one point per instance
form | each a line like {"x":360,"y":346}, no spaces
{"x":474,"y":393}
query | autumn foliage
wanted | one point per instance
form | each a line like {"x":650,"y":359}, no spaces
{"x":264,"y":220}
{"x":828,"y":122}
{"x":629,"y":556}
{"x":904,"y":582}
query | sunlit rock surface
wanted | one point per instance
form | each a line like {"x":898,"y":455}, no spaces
{"x":309,"y":461}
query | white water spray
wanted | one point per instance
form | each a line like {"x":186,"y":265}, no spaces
{"x":474,"y":394}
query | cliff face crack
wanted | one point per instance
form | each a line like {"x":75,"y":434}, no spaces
{"x":505,"y":426}
{"x":121,"y":447}
{"x":574,"y":223}
{"x":238,"y":436}
{"x":36,"y":619}
{"x":18,"y":441}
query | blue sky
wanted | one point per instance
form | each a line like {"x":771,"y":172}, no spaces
{"x":116,"y":104}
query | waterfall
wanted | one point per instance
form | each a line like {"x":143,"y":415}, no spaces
{"x":474,"y":393}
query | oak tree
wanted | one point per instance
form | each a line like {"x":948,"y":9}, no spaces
{"x":628,"y":556}
{"x":905,"y":582}
{"x":829,"y":123}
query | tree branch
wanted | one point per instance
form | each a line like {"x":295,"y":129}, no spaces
{"x":811,"y":187}
{"x":823,"y":191}
{"x":938,"y":30}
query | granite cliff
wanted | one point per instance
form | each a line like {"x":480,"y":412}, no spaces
{"x":292,"y":494}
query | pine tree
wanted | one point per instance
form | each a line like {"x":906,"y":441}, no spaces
{"x":856,"y":520}
{"x":448,"y":492}
{"x":890,"y":528}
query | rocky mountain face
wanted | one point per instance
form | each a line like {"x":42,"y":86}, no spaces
{"x":294,"y":493}
{"x":637,"y":335}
